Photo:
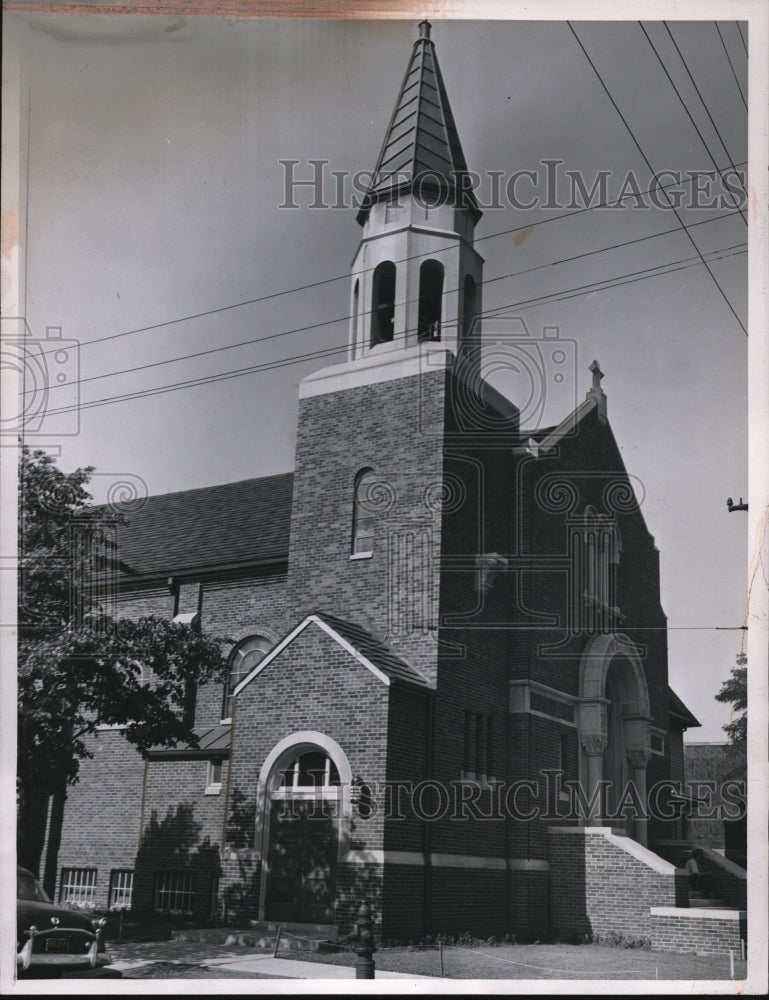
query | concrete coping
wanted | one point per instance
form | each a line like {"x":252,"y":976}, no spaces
{"x":697,"y":912}
{"x":724,"y":863}
{"x":620,"y":839}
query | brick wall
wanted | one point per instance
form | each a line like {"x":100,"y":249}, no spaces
{"x":601,"y":885}
{"x":344,"y":701}
{"x":101,"y":815}
{"x":706,"y":933}
{"x":395,"y":429}
{"x":182,"y":831}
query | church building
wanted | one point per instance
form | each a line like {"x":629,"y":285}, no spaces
{"x":446,"y":680}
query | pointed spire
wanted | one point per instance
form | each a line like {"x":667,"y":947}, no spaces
{"x":421,"y":149}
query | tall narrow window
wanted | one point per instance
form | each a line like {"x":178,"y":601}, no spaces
{"x":469,"y":306}
{"x":363,"y":516}
{"x":355,"y":314}
{"x":430,"y":299}
{"x":243,"y":659}
{"x":383,"y":304}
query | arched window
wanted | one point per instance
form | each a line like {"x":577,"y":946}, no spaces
{"x":242,"y":661}
{"x":355,"y":313}
{"x":310,"y":769}
{"x":363,"y":515}
{"x":430,"y":299}
{"x":383,"y":304}
{"x":469,"y":305}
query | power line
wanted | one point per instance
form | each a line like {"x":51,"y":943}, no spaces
{"x":346,"y":276}
{"x":648,"y":164}
{"x":742,"y":38}
{"x":731,"y":66}
{"x":691,"y":119}
{"x":702,"y":100}
{"x":326,"y":352}
{"x":340,"y":319}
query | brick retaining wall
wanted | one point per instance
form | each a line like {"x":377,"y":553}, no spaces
{"x":700,"y":930}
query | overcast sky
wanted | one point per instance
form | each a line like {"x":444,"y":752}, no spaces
{"x":154,"y":195}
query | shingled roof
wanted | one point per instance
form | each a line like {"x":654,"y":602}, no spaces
{"x":375,"y":651}
{"x":679,"y":712}
{"x":233,"y":525}
{"x":361,"y":644}
{"x":421,"y":140}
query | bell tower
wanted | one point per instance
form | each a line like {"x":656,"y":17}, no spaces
{"x":416,"y":277}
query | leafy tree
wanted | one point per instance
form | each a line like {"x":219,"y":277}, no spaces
{"x":735,"y":690}
{"x":78,"y":669}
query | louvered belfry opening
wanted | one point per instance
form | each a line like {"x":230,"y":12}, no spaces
{"x":383,"y":304}
{"x":430,"y":299}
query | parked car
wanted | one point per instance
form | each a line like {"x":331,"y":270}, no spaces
{"x":51,"y":938}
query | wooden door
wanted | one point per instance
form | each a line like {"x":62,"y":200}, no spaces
{"x":302,"y":862}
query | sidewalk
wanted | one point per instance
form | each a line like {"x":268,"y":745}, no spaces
{"x":290,"y":969}
{"x":132,"y":955}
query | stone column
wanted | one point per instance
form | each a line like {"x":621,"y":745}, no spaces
{"x":595,"y":745}
{"x":639,"y":758}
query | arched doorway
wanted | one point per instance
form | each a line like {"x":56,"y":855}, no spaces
{"x":623,"y":709}
{"x":614,"y":733}
{"x":306,"y":799}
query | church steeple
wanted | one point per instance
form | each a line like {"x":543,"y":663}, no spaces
{"x":421,"y":150}
{"x":416,"y":276}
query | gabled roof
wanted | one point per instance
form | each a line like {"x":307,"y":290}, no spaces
{"x":359,"y":643}
{"x":680,"y":712}
{"x":234,"y":524}
{"x":421,"y":139}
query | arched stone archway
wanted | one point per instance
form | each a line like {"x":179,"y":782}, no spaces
{"x":303,"y":827}
{"x":614,"y":717}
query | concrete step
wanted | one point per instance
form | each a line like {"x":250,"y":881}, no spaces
{"x":262,"y":935}
{"x":299,"y":936}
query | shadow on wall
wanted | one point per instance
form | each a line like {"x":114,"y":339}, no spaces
{"x":569,"y":919}
{"x":176,"y":873}
{"x":356,"y":883}
{"x":242,"y":873}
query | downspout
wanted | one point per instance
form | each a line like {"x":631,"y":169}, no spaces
{"x":144,"y":797}
{"x":223,"y":848}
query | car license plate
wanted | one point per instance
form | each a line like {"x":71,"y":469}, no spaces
{"x":57,"y":944}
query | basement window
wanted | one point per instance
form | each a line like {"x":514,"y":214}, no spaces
{"x":173,"y":892}
{"x":78,"y":886}
{"x":121,"y":889}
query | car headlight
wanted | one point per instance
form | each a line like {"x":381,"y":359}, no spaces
{"x":99,"y":924}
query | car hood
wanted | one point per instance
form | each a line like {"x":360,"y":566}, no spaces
{"x":30,"y":911}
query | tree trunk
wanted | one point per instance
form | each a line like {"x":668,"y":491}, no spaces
{"x":33,"y":816}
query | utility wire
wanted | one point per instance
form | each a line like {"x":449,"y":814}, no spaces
{"x":731,"y":66}
{"x":651,"y":170}
{"x":742,"y":38}
{"x":343,"y":348}
{"x":691,"y":119}
{"x":346,"y":276}
{"x":341,"y":319}
{"x":702,"y":100}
